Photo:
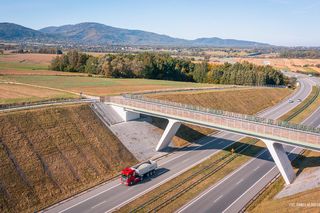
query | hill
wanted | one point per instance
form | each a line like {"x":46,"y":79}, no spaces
{"x":49,"y":154}
{"x":95,"y":33}
{"x":15,"y":32}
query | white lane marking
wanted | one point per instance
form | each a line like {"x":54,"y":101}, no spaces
{"x":218,"y":198}
{"x":237,"y":183}
{"x":66,"y":209}
{"x":165,"y":180}
{"x":256,"y":168}
{"x":217,"y":184}
{"x":292,"y":151}
{"x":98,"y":204}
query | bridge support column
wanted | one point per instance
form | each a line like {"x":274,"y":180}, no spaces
{"x":125,"y":115}
{"x":281,"y":159}
{"x":168,"y":134}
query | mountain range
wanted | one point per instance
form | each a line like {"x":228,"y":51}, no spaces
{"x":91,"y":33}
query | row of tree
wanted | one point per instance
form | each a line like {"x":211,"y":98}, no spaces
{"x":239,"y":74}
{"x":165,"y":67}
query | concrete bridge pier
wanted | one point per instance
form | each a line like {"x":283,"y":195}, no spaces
{"x":281,"y":159}
{"x":168,"y":134}
{"x":125,"y":115}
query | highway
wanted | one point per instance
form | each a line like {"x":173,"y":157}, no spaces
{"x":112,"y":195}
{"x":234,"y":191}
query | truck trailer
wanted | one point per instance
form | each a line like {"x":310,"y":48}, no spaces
{"x":135,"y":174}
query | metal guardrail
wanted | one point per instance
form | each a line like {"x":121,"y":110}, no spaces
{"x":251,"y":118}
{"x":39,"y":103}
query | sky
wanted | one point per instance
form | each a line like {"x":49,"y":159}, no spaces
{"x":277,"y":22}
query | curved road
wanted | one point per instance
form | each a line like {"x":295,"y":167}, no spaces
{"x":112,"y":195}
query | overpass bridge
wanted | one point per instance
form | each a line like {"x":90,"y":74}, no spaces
{"x":273,"y":133}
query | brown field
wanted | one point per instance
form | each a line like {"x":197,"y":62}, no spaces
{"x":10,"y":93}
{"x":246,"y":101}
{"x":285,"y":63}
{"x":49,"y":154}
{"x":280,"y":63}
{"x":28,"y":58}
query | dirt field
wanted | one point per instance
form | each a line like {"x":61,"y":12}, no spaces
{"x":34,"y":58}
{"x":49,"y":154}
{"x":29,"y":64}
{"x":280,"y":63}
{"x":10,"y":93}
{"x":246,"y":101}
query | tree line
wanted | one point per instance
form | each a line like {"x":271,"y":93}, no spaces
{"x":164,"y":67}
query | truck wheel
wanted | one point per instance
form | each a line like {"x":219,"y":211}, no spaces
{"x":131,"y":183}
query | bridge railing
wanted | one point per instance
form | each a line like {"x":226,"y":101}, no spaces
{"x":285,"y":132}
{"x":227,"y":114}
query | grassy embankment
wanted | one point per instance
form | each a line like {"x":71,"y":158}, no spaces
{"x":304,"y":163}
{"x":49,"y":154}
{"x":176,"y":192}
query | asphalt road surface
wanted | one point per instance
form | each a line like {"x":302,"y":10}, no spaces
{"x":112,"y":195}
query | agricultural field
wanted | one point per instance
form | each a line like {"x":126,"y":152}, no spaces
{"x":49,"y":154}
{"x":29,"y":64}
{"x":245,"y":101}
{"x":305,"y":65}
{"x":99,"y":86}
{"x":10,"y":93}
{"x":33,"y":69}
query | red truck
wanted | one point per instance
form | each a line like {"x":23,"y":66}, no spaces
{"x":135,"y":174}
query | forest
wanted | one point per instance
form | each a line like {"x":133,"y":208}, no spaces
{"x":165,"y":67}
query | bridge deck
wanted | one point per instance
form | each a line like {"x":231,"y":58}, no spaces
{"x":296,"y":135}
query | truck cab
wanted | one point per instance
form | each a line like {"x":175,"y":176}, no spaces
{"x":135,"y":174}
{"x":129,"y":176}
